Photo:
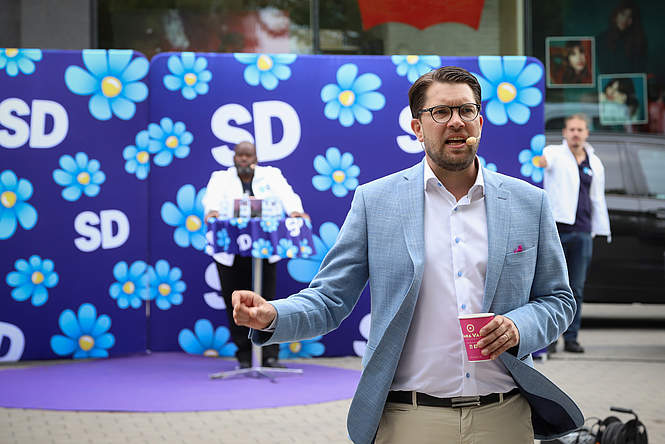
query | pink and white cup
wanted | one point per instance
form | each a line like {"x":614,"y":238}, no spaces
{"x":471,"y":325}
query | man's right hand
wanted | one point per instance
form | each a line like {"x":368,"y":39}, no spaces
{"x":211,"y":213}
{"x":251,"y":310}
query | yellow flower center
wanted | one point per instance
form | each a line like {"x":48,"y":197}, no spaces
{"x":193,"y":223}
{"x":506,"y":92}
{"x":83,"y":178}
{"x":111,"y":86}
{"x":535,"y":160}
{"x":164,"y":289}
{"x":190,"y":78}
{"x":8,"y":199}
{"x":412,"y":59}
{"x":37,"y":277}
{"x":303,"y":249}
{"x":172,"y":141}
{"x":347,"y":98}
{"x":86,"y":342}
{"x":128,"y":287}
{"x":11,"y":52}
{"x":264,"y":251}
{"x":211,"y":353}
{"x":339,"y":176}
{"x":295,"y":347}
{"x":289,"y":252}
{"x":143,"y":157}
{"x":264,"y":63}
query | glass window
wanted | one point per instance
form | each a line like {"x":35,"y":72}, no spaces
{"x":614,"y":180}
{"x":652,"y":161}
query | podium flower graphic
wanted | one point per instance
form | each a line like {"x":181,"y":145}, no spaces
{"x":86,"y":335}
{"x":302,"y":349}
{"x":223,"y":239}
{"x":304,"y":269}
{"x":240,"y":222}
{"x":414,"y":66}
{"x":530,"y":159}
{"x":131,"y":286}
{"x":112,"y":81}
{"x":165,"y":285}
{"x":484,"y":164}
{"x":187,"y":217}
{"x":351,"y":99}
{"x":32,"y":279}
{"x":266,"y":69}
{"x":138,"y":156}
{"x":305,"y":249}
{"x":507,"y":84}
{"x":15,"y":60}
{"x":79,"y":175}
{"x":336,"y":171}
{"x":206,"y":341}
{"x":188,"y":74}
{"x":262,"y":248}
{"x":285,"y":248}
{"x":167,"y":140}
{"x":269,"y":224}
{"x":14,"y":193}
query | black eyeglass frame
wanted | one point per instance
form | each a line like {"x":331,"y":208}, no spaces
{"x":451,"y":108}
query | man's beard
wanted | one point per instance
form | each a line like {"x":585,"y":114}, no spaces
{"x":244,"y":170}
{"x":447,"y":162}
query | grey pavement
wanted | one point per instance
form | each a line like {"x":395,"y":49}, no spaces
{"x":622,"y":367}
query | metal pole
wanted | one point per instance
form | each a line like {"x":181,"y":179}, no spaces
{"x":314,"y":26}
{"x":257,"y":278}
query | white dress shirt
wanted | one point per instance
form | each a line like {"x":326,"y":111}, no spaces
{"x":434,"y":360}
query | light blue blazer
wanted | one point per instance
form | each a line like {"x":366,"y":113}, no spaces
{"x":382,"y":241}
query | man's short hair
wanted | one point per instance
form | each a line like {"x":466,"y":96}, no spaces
{"x":578,"y":116}
{"x":445,"y":74}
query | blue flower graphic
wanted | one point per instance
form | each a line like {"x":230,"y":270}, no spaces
{"x":262,"y":248}
{"x":187,"y":217}
{"x":484,"y":164}
{"x":507,"y":85}
{"x":14,"y":60}
{"x":14,"y":193}
{"x":138,"y":156}
{"x":530,"y":159}
{"x":267,"y":69}
{"x":239,"y":222}
{"x":414,"y":66}
{"x":112,"y":80}
{"x":86,"y":334}
{"x":204,"y":341}
{"x":285,"y":248}
{"x":78,"y":175}
{"x":302,"y":349}
{"x":188,"y":74}
{"x":305,"y":249}
{"x":165,"y":285}
{"x":168,"y":139}
{"x":304,"y":269}
{"x":32,"y":278}
{"x":269,"y":224}
{"x":352,"y":98}
{"x":223,"y":239}
{"x":336,"y":170}
{"x":131,"y":287}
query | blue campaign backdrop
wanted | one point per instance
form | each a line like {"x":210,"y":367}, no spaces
{"x":105,"y":158}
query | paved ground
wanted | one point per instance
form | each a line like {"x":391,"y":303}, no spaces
{"x":624,"y":366}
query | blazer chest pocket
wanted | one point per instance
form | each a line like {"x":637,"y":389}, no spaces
{"x":521,"y":257}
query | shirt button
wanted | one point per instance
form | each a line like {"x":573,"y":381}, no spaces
{"x":457,"y":240}
{"x":463,"y":306}
{"x":455,"y":209}
{"x":459,"y":274}
{"x":468,"y":375}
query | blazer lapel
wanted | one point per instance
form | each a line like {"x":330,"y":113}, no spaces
{"x":497,"y":205}
{"x":412,"y":200}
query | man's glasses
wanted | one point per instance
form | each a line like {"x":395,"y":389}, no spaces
{"x":443,"y":113}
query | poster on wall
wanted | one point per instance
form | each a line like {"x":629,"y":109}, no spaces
{"x":570,"y":62}
{"x":622,"y":98}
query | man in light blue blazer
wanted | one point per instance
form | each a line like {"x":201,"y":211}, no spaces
{"x":442,"y":238}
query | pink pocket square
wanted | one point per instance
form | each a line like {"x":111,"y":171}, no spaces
{"x":519,"y":249}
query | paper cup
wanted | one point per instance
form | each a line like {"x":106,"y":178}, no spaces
{"x":471,"y":325}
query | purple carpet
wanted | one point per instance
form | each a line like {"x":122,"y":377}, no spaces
{"x":167,"y":382}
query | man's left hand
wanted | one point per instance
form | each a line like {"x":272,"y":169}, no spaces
{"x":498,"y":335}
{"x":299,"y":214}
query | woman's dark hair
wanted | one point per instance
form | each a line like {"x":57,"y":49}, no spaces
{"x":569,"y":75}
{"x":634,"y":39}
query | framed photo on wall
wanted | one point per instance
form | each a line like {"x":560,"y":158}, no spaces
{"x":622,"y":98}
{"x":570,"y":62}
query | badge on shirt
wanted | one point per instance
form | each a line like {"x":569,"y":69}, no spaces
{"x":587,"y":171}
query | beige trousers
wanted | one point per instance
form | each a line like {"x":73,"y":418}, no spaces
{"x":506,"y":422}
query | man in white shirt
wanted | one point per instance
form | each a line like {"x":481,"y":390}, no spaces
{"x":224,"y":187}
{"x":442,"y":238}
{"x":575,"y":183}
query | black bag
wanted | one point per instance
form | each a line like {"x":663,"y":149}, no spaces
{"x":610,"y":430}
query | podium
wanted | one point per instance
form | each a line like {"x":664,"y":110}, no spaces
{"x":260,"y":238}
